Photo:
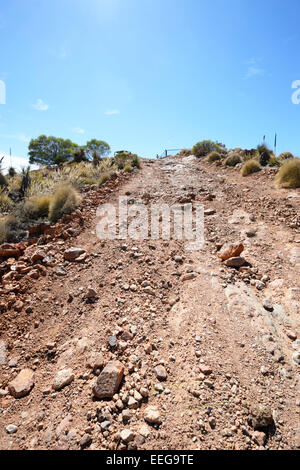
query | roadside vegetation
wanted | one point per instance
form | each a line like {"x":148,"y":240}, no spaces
{"x":286,"y":166}
{"x":35,"y":196}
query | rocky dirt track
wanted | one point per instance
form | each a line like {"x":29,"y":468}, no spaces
{"x":208,"y":355}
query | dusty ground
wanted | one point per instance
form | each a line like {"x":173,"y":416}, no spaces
{"x":214,"y":322}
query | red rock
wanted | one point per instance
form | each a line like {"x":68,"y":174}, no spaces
{"x":231,"y":251}
{"x":34,"y":274}
{"x":291,"y":334}
{"x":206,"y":370}
{"x":73,"y":253}
{"x":109,"y":380}
{"x":38,"y":256}
{"x":18,"y":306}
{"x":22,"y":384}
{"x":235,"y":262}
{"x":7,"y":250}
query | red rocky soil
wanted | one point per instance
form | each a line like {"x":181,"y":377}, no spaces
{"x":142,"y":344}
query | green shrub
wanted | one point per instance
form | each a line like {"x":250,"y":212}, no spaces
{"x":251,"y":166}
{"x":289,"y":175}
{"x":213,"y":157}
{"x":203,"y":148}
{"x":104,"y":178}
{"x":233,"y":160}
{"x":264,"y":154}
{"x":286,"y":156}
{"x":121,"y":159}
{"x":12,"y":172}
{"x":136,"y":161}
{"x":128,"y":168}
{"x":275,"y":162}
{"x":64,"y":201}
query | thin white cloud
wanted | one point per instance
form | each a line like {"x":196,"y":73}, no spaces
{"x":78,"y":130}
{"x":254,"y":70}
{"x":112,"y":112}
{"x":40,"y":105}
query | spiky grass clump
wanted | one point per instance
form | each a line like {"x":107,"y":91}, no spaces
{"x":275,"y":162}
{"x":7,"y":225}
{"x":104,"y":178}
{"x":289,"y":175}
{"x":6,"y":203}
{"x":251,"y":166}
{"x":203,"y":148}
{"x":64,"y":201}
{"x":233,"y":160}
{"x":213,"y":157}
{"x":286,"y":156}
{"x":37,"y":207}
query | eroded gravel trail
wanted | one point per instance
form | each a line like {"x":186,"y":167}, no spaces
{"x":221,"y":350}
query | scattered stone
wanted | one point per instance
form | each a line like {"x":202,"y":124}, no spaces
{"x":63,"y":378}
{"x":268,"y":305}
{"x":152,"y":415}
{"x":85,"y":441}
{"x":91,"y":293}
{"x":296,"y":357}
{"x":22,"y":384}
{"x":11,"y":429}
{"x":188,"y":277}
{"x":206,"y":370}
{"x":160,"y":372}
{"x":144,"y":431}
{"x":113,"y":342}
{"x":259,"y":285}
{"x":259,"y":438}
{"x":291,"y":334}
{"x":231,"y":251}
{"x":209,"y":212}
{"x":73,"y":253}
{"x":250,"y":233}
{"x":127,"y":435}
{"x":235,"y":262}
{"x":95,"y":361}
{"x":60,"y":271}
{"x":261,"y":416}
{"x":109,"y":380}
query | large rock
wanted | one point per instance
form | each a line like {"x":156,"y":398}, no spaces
{"x":64,"y":377}
{"x":22,"y":384}
{"x":109,"y":380}
{"x":261,"y":416}
{"x":160,"y":372}
{"x":236,"y":262}
{"x":73,"y":253}
{"x":231,"y":251}
{"x":10,"y":251}
{"x":152,"y":415}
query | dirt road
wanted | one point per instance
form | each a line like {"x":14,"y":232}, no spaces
{"x":197,"y":339}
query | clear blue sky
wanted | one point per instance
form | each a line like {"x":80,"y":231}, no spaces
{"x":145,"y":75}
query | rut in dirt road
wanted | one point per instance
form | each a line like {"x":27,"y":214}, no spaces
{"x":202,"y":344}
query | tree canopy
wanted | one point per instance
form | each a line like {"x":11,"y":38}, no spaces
{"x":53,"y":150}
{"x":97,"y":148}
